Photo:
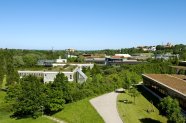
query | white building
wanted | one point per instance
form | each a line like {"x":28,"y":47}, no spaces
{"x":49,"y":76}
{"x":123,"y":55}
{"x":71,"y":56}
{"x":61,"y":60}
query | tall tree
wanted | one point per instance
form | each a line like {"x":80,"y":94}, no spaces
{"x":27,"y":97}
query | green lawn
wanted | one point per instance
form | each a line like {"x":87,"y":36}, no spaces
{"x":5,"y":114}
{"x":137,"y":113}
{"x":79,"y":112}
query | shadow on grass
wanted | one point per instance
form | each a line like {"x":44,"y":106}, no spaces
{"x":149,"y":120}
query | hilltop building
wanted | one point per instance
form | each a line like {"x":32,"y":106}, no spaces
{"x":166,"y":56}
{"x":147,"y":48}
{"x":142,"y":56}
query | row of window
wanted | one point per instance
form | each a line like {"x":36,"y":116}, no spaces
{"x":34,"y":74}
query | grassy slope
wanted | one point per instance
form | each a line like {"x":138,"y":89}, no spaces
{"x":5,"y":114}
{"x":132,"y":113}
{"x":79,"y":112}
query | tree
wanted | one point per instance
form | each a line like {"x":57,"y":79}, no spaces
{"x":18,"y":61}
{"x":183,"y":55}
{"x":27,"y":97}
{"x":31,"y":97}
{"x":95,"y":70}
{"x":30,"y":60}
{"x":133,"y":92}
{"x":54,"y":98}
{"x":80,"y":59}
{"x":170,"y":107}
{"x":62,"y":82}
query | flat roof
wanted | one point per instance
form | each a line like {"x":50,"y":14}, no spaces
{"x":175,"y":82}
{"x":66,"y":68}
{"x":179,"y":67}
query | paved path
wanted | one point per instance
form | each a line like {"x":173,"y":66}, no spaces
{"x":53,"y":119}
{"x":106,"y":106}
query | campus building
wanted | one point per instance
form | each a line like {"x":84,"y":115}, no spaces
{"x":173,"y":85}
{"x":73,"y":73}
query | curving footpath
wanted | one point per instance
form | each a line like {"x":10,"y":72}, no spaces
{"x":106,"y":106}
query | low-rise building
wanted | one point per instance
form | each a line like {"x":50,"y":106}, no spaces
{"x":182,"y":63}
{"x":46,"y":63}
{"x":73,"y":74}
{"x":60,"y":60}
{"x":95,"y":60}
{"x":142,"y":56}
{"x":122,"y":55}
{"x":120,"y":61}
{"x":166,"y":56}
{"x":173,"y":85}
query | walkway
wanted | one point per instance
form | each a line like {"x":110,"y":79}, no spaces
{"x":106,"y":106}
{"x":53,"y":119}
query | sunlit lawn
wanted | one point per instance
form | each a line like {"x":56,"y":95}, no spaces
{"x":79,"y":112}
{"x":137,"y":113}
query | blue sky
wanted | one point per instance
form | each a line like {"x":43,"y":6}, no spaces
{"x":91,"y":24}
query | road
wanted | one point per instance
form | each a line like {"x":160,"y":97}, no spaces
{"x":106,"y":106}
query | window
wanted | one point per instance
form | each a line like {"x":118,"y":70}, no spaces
{"x":70,"y":76}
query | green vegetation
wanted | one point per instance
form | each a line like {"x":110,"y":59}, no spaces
{"x":79,"y":112}
{"x":141,"y":111}
{"x":51,"y":97}
{"x":31,"y":97}
{"x":5,"y":113}
{"x":4,"y":83}
{"x":170,"y":107}
{"x":133,"y":92}
{"x":22,"y":94}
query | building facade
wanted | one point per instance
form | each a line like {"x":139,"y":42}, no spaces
{"x":48,"y":76}
{"x":168,"y":85}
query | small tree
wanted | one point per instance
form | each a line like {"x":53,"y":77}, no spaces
{"x":133,"y":92}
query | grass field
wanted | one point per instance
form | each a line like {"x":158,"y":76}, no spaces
{"x":79,"y":112}
{"x":5,"y":114}
{"x":137,"y":113}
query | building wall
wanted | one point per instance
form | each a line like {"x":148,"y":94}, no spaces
{"x":49,"y":76}
{"x":34,"y":73}
{"x":61,"y":60}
